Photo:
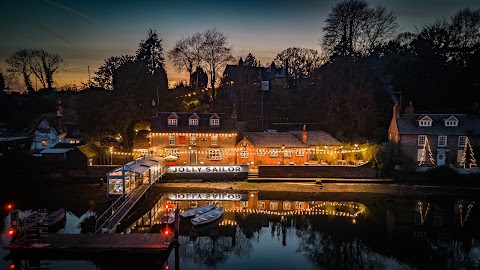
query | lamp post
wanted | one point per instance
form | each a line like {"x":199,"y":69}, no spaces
{"x":111,"y":155}
{"x":283,"y":154}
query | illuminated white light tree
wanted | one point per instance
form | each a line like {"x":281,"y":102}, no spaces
{"x":426,"y":146}
{"x":467,"y":163}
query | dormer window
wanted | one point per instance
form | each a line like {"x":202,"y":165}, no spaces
{"x":452,"y":121}
{"x":425,"y":122}
{"x":193,"y":120}
{"x":214,"y":120}
{"x":173,"y":120}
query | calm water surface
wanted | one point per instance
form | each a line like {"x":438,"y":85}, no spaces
{"x":271,"y":233}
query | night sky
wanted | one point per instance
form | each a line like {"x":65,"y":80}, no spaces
{"x":85,"y":32}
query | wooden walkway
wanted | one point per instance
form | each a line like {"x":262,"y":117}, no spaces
{"x":95,"y":243}
{"x":321,"y":179}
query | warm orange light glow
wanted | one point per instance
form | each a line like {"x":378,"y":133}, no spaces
{"x":167,"y":232}
{"x":12,"y":266}
{"x":166,"y":267}
{"x":11,"y":232}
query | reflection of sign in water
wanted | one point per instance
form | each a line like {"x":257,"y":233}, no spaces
{"x":207,"y":169}
{"x":208,"y":196}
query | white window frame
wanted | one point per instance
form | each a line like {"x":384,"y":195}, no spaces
{"x":444,"y":138}
{"x":419,"y":155}
{"x":261,"y":205}
{"x":261,"y":152}
{"x":287,"y":153}
{"x":214,"y":122}
{"x":299,"y":205}
{"x":244,"y":154}
{"x":425,"y":123}
{"x":172,"y":152}
{"x":274,"y":153}
{"x":421,"y":140}
{"x":172,"y":122}
{"x":273,"y":205}
{"x":451,"y":123}
{"x":193,"y":139}
{"x":193,"y":122}
{"x":299,"y":153}
{"x":214,"y":139}
{"x":462,"y":140}
{"x":214,"y":154}
{"x":171,"y":139}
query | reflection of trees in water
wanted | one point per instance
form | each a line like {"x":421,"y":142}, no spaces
{"x":450,"y":254}
{"x":211,"y":250}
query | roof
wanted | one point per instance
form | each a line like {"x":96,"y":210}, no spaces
{"x":160,"y":124}
{"x":140,"y":165}
{"x":317,"y":138}
{"x":55,"y":150}
{"x":408,"y":124}
{"x":273,"y":139}
{"x":89,"y":150}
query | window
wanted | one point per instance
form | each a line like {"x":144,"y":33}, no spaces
{"x":172,"y":122}
{"x":182,"y":139}
{"x":462,"y":140}
{"x":214,"y":139}
{"x":171,"y":139}
{"x":45,"y":143}
{"x":273,"y":152}
{"x":214,"y":121}
{"x":442,"y":140}
{"x":287,"y":153}
{"x":287,"y":205}
{"x":261,"y":205}
{"x":273,"y":205}
{"x":214,"y":154}
{"x":244,"y":154}
{"x":193,"y":139}
{"x":425,"y":123}
{"x":459,"y":155}
{"x":299,"y":153}
{"x":173,"y":152}
{"x":193,"y":122}
{"x":451,"y":123}
{"x":261,"y":152}
{"x":299,"y":205}
{"x":421,"y":155}
{"x":421,"y":140}
{"x":73,"y":141}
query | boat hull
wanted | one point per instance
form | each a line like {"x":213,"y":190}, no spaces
{"x":208,"y":217}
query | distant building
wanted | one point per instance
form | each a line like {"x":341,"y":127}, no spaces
{"x":444,"y":136}
{"x":194,"y":138}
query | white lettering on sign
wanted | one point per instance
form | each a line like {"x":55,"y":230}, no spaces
{"x":207,"y":196}
{"x":207,"y":169}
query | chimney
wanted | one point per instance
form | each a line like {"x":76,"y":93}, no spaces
{"x":409,"y":109}
{"x":396,"y":110}
{"x":304,"y":134}
{"x":59,"y":115}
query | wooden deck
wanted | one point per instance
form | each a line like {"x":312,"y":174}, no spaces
{"x":322,"y":179}
{"x":92,"y":243}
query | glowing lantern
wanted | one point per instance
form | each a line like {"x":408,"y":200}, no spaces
{"x":11,"y":231}
{"x":9,"y":206}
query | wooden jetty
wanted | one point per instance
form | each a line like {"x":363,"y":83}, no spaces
{"x":96,"y":243}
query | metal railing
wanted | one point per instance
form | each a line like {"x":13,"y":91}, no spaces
{"x":109,"y":212}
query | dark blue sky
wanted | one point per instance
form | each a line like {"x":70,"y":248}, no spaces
{"x":85,"y":32}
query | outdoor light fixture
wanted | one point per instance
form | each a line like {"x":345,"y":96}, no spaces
{"x":111,"y":155}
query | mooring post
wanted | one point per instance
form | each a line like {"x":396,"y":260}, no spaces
{"x":177,"y":223}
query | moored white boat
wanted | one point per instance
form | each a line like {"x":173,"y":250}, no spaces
{"x":197,"y":211}
{"x":208,"y":217}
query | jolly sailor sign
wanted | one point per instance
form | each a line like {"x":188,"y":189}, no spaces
{"x":208,"y":169}
{"x":207,"y":196}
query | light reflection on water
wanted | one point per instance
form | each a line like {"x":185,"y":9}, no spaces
{"x":256,"y":233}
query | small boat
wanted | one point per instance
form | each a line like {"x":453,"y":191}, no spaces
{"x":54,"y":220}
{"x":197,"y":211}
{"x":56,"y":217}
{"x":208,"y":226}
{"x":208,"y":217}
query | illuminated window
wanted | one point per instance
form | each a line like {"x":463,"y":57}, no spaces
{"x":273,"y":152}
{"x":214,"y":139}
{"x":462,"y":140}
{"x":214,"y":121}
{"x":287,"y":153}
{"x":172,"y":122}
{"x":421,"y":140}
{"x":273,"y":205}
{"x":182,"y":139}
{"x":261,"y":152}
{"x":300,"y":153}
{"x":214,"y":154}
{"x":171,"y":139}
{"x":193,"y":139}
{"x":193,"y":122}
{"x":286,"y":205}
{"x":173,"y":152}
{"x":421,"y":155}
{"x":299,"y":205}
{"x":244,"y":154}
{"x":45,"y":143}
{"x":261,"y":205}
{"x":442,"y":140}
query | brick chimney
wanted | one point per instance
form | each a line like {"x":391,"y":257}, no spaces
{"x":396,"y":110}
{"x":304,"y":134}
{"x":409,"y":109}
{"x":59,"y":115}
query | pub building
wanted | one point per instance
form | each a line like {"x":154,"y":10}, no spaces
{"x":186,"y":138}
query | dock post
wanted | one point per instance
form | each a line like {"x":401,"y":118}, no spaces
{"x":177,"y":223}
